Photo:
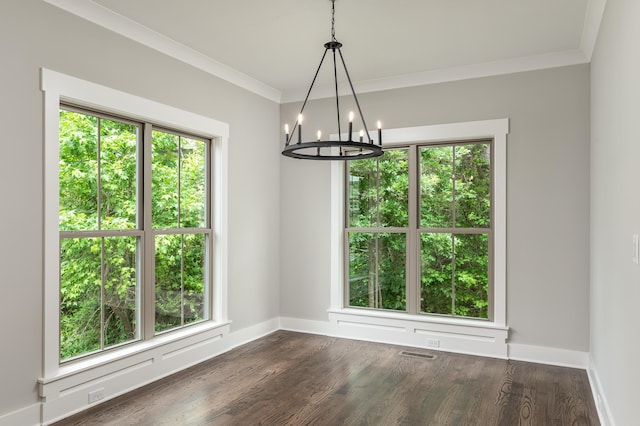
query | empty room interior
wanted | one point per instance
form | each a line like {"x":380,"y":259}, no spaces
{"x":174,"y":252}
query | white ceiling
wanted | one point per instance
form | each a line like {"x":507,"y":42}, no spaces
{"x":274,"y":47}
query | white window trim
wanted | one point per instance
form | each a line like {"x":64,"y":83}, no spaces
{"x":438,"y":326}
{"x":57,"y":88}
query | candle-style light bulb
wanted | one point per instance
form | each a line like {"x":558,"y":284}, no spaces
{"x":286,"y":132}
{"x":351,"y":117}
{"x":379,"y":133}
{"x":319,"y":135}
{"x":299,"y":128}
{"x":361,"y":135}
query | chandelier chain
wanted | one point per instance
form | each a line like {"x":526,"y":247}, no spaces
{"x":333,"y":20}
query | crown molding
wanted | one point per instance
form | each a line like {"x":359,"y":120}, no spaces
{"x":592,"y":20}
{"x":443,"y":75}
{"x":126,"y":27}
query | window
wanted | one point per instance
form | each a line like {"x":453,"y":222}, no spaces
{"x":99,"y":233}
{"x":446,"y":226}
{"x":402,"y":264}
{"x":109,"y":234}
{"x":150,"y":234}
{"x":378,"y":230}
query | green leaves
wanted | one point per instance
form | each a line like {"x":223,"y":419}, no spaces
{"x":453,"y":215}
{"x":99,"y":172}
{"x":377,"y":270}
{"x":378,"y":191}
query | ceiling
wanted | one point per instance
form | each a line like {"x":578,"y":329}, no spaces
{"x":274,"y":47}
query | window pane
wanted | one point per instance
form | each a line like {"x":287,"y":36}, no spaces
{"x":80,"y":287}
{"x":377,"y":263}
{"x":471,"y":275}
{"x":165,"y":180}
{"x":180,"y":280}
{"x":192,"y":183}
{"x":194,"y":277}
{"x":120,"y":289}
{"x":379,"y":191}
{"x":118,"y":188}
{"x":168,"y":271}
{"x":473,"y":185}
{"x":436,"y":187}
{"x":454,"y":285}
{"x":78,"y":171}
{"x":436,"y":273}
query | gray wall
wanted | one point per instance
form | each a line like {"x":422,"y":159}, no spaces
{"x":547,"y":196}
{"x":615,"y":207}
{"x":34,"y":34}
{"x":548,"y":190}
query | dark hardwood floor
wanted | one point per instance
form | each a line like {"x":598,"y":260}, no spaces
{"x":289,"y":378}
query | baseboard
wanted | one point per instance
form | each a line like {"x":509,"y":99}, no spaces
{"x":71,"y":400}
{"x":27,"y":416}
{"x":248,"y":334}
{"x":550,"y":356}
{"x":602,"y":405}
{"x":305,"y":326}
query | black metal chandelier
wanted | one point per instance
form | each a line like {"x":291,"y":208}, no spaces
{"x":333,"y":149}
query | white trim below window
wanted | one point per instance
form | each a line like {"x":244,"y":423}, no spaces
{"x":454,"y":334}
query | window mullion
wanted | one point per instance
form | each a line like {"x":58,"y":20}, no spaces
{"x":147,"y":327}
{"x":102,"y":294}
{"x":454,"y":221}
{"x":99,"y":174}
{"x":99,"y":225}
{"x":413,"y":252}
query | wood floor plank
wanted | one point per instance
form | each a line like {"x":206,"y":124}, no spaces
{"x":289,"y":378}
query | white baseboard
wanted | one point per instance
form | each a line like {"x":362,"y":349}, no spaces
{"x":550,"y":356}
{"x":65,"y":400}
{"x":602,"y":405}
{"x":27,"y":416}
{"x":305,"y":326}
{"x":245,"y":335}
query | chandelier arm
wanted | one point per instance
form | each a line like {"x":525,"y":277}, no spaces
{"x":335,"y":76}
{"x":355,"y":97}
{"x":308,"y":93}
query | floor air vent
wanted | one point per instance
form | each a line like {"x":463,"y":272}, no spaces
{"x":418,"y":354}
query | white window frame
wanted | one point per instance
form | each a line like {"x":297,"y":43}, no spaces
{"x":57,"y":88}
{"x":457,"y":334}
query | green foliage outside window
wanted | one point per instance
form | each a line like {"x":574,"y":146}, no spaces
{"x":454,"y":220}
{"x":378,"y":198}
{"x":100,"y":275}
{"x":178,"y":201}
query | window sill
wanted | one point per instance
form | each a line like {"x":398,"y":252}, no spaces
{"x":181,"y":339}
{"x":428,"y":319}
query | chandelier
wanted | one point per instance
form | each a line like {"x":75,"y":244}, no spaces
{"x":339,"y":149}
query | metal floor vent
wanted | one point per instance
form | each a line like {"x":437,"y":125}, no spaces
{"x":418,"y":354}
